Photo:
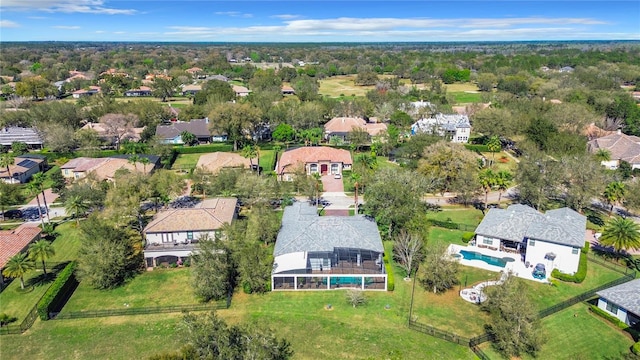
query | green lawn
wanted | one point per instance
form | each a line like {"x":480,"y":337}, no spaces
{"x":267,"y":160}
{"x":13,"y":302}
{"x":458,"y":214}
{"x":186,"y":161}
{"x":576,"y":333}
{"x":510,"y":165}
{"x":160,"y":287}
{"x":466,"y":97}
{"x":337,"y":86}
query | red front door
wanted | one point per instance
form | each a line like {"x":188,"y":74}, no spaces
{"x":323,"y":169}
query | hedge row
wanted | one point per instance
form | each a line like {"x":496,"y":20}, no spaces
{"x":578,"y":277}
{"x":52,"y":292}
{"x":612,"y":319}
{"x":636,"y":348}
{"x":389,"y":269}
{"x":467,"y":236}
{"x":199,"y":149}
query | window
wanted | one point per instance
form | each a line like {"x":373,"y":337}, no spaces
{"x":574,"y":251}
{"x":532,"y":243}
{"x":313,"y":168}
{"x":487,"y":241}
{"x":612,"y":308}
{"x":190,"y":235}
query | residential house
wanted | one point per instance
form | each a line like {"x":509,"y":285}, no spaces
{"x":173,"y":234}
{"x":287,"y":90}
{"x":342,"y":126}
{"x":554,"y":239}
{"x":327,"y":252}
{"x":114,"y":72}
{"x":141,"y":91}
{"x":92,"y":90}
{"x":214,"y":162}
{"x":16,"y":241}
{"x":191,"y":89}
{"x":23,"y":168}
{"x":217,"y":77}
{"x":132,"y":134}
{"x":622,"y":301}
{"x":315,"y":159}
{"x":621,"y":147}
{"x":194,"y":71}
{"x":105,"y":168}
{"x":29,"y":136}
{"x":566,"y":69}
{"x":453,"y":126}
{"x":241,"y":91}
{"x":172,"y":133}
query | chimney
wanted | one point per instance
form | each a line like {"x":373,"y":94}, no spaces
{"x":206,"y":120}
{"x":619,"y":132}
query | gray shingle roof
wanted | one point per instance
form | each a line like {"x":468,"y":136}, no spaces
{"x":626,"y":295}
{"x":197,"y":127}
{"x":303,"y":231}
{"x":561,"y":226}
{"x":29,"y":136}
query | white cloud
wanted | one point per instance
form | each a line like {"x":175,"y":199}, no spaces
{"x":64,"y":6}
{"x":8,"y":24}
{"x":234,"y":14}
{"x":100,"y":31}
{"x":66,"y":27}
{"x":37,"y":17}
{"x":286,"y":16}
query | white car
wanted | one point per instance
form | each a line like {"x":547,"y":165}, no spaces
{"x":337,"y":176}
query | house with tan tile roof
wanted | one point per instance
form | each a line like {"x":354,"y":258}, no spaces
{"x":342,"y":126}
{"x":214,"y":162}
{"x":314,"y":159}
{"x":621,"y":147}
{"x":191,"y":89}
{"x":241,"y":91}
{"x":13,"y":242}
{"x":132,"y":134}
{"x":105,"y":168}
{"x":193,"y":70}
{"x":173,"y":234}
{"x":23,"y":168}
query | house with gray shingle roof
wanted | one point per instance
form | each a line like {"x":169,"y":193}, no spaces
{"x":315,"y":252}
{"x":553,"y":239}
{"x":173,"y":234}
{"x":453,"y":126}
{"x":622,"y":301}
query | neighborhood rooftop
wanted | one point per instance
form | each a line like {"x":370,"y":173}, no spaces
{"x":309,"y":154}
{"x":29,"y":136}
{"x":626,"y":295}
{"x":563,"y":226}
{"x":210,"y":216}
{"x":304,"y":231}
{"x":14,"y":241}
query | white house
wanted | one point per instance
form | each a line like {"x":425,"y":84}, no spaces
{"x":553,"y":239}
{"x":453,"y":126}
{"x":622,"y":301}
{"x":327,"y":252}
{"x":173,"y":234}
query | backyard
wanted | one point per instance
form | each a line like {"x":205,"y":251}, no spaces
{"x":337,"y":86}
{"x":185,"y":162}
{"x":576,"y":333}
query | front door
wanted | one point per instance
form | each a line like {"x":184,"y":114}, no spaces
{"x":323,"y":169}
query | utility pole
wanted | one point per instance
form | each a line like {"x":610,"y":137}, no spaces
{"x":355,"y":185}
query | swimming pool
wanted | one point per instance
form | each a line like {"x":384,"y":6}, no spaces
{"x":491,"y":260}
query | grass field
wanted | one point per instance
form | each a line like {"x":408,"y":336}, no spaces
{"x":576,"y":333}
{"x":460,"y":215}
{"x":267,"y":160}
{"x":161,"y":287}
{"x":511,"y":165}
{"x":185,"y":162}
{"x":337,"y":86}
{"x":461,"y":87}
{"x":466,"y":97}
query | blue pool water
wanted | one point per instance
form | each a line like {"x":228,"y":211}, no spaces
{"x":346,"y":280}
{"x":491,"y":260}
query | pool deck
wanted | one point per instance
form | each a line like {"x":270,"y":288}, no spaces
{"x":516,"y":267}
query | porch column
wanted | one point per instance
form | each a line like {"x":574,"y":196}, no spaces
{"x":362,"y":283}
{"x":295,"y":282}
{"x":328,"y":282}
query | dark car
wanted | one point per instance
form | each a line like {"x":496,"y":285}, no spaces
{"x":13,"y":214}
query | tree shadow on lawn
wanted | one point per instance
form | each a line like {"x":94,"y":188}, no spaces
{"x":44,"y":279}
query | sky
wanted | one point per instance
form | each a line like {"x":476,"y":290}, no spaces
{"x":317,"y":20}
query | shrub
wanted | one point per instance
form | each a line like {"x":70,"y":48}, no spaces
{"x":477,"y":147}
{"x":389,"y":269}
{"x":636,"y":348}
{"x":612,"y":319}
{"x":53,"y":292}
{"x":578,"y":277}
{"x":467,"y":236}
{"x":355,"y":298}
{"x":6,"y":319}
{"x":246,"y":287}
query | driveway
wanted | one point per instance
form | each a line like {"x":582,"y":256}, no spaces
{"x":332,"y":185}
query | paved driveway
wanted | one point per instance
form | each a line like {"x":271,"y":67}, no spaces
{"x":332,"y":185}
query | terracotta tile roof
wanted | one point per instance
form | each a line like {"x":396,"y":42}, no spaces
{"x":214,"y":162}
{"x":15,"y":241}
{"x":312,"y":154}
{"x":193,"y":70}
{"x":592,"y":131}
{"x":621,"y":146}
{"x":107,"y":169}
{"x":192,"y":88}
{"x":217,"y":212}
{"x":346,"y":124}
{"x":83,"y":164}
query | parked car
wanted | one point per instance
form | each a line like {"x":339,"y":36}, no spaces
{"x":337,"y":176}
{"x":13,"y":214}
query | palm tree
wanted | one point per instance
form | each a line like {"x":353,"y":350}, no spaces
{"x":17,"y":266}
{"x":34,"y":189}
{"x":621,"y":233}
{"x":133,"y":160}
{"x":41,"y":250}
{"x":7,"y":160}
{"x":503,"y":181}
{"x":494,"y":145}
{"x":249,"y":152}
{"x":614,"y":194}
{"x":77,"y":206}
{"x":39,"y":179}
{"x":144,"y":161}
{"x":487,"y":181}
{"x":602,"y":155}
